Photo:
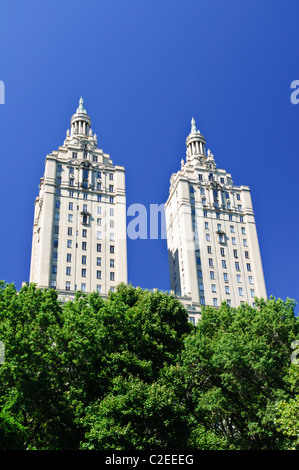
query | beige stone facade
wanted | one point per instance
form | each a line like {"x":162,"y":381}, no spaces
{"x":212,"y":239}
{"x":79,"y":234}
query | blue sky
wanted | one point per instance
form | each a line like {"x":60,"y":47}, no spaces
{"x":144,"y":68}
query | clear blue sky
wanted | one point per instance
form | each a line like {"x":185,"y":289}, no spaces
{"x":144,"y":68}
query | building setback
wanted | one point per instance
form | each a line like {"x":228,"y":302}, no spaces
{"x":212,"y":240}
{"x":79,"y":232}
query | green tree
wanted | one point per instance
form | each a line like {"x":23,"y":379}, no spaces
{"x":233,"y":366}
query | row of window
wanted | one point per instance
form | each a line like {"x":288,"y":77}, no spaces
{"x":83,"y":272}
{"x":211,"y":262}
{"x":85,"y":195}
{"x":215,"y":302}
{"x":227,"y":290}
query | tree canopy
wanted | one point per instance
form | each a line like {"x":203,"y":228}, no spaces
{"x":131,"y":372}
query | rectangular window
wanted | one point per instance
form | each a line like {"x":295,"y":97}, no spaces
{"x":99,"y":247}
{"x":68,"y":270}
{"x":243,"y":231}
{"x":225,"y":277}
{"x":111,"y":276}
{"x":71,"y":193}
{"x":202,"y":191}
{"x":94,"y":158}
{"x":99,"y":210}
{"x":99,"y":274}
{"x":237,"y":265}
{"x":112,"y":211}
{"x":111,"y":199}
{"x":205,"y":213}
{"x":83,"y":259}
{"x":245,"y":242}
{"x":70,"y":231}
{"x":57,"y":204}
{"x":241,"y":291}
{"x":207,"y":225}
{"x":58,"y":179}
{"x":110,"y":188}
{"x":84,"y":233}
{"x":248,"y":267}
{"x":213,"y":288}
{"x":227,"y":290}
{"x":83,"y":272}
{"x":239,"y":278}
{"x":247,"y":254}
{"x":84,"y":246}
{"x":70,"y":218}
{"x":71,"y":206}
{"x":111,"y":176}
{"x":232,"y":229}
{"x":238,"y":197}
{"x":215,"y":302}
{"x":98,"y":289}
{"x":219,"y":227}
{"x":75,"y":155}
{"x":112,"y":263}
{"x":217,"y":215}
{"x":67,"y":285}
{"x":54,"y":269}
{"x":55,"y":242}
{"x":250,"y":279}
{"x":209,"y":249}
{"x":236,"y":253}
{"x":241,"y":218}
{"x":202,"y":301}
{"x":230,"y":217}
{"x":198,"y":260}
{"x":224,"y":263}
{"x":99,"y":235}
{"x":56,"y":229}
{"x":222,"y":252}
{"x":83,"y":287}
{"x":111,"y":248}
{"x":233,"y":240}
{"x":56,"y":215}
{"x":99,"y":197}
{"x":222,"y":180}
{"x":99,"y":261}
{"x":252,"y":293}
{"x":210,"y":261}
{"x":111,"y":223}
{"x":212,"y":274}
{"x":99,"y":186}
{"x":68,"y":258}
{"x":69,"y":243}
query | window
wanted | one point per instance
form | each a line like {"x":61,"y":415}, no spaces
{"x":222,"y":252}
{"x":248,"y":267}
{"x":247,"y":254}
{"x":230,"y":217}
{"x":99,"y":174}
{"x":99,"y":235}
{"x":59,"y":167}
{"x":84,"y":246}
{"x":57,"y":204}
{"x":241,"y":218}
{"x":199,"y":177}
{"x":54,"y":255}
{"x":56,"y":229}
{"x":84,"y":195}
{"x":198,"y":260}
{"x":71,"y":193}
{"x":222,"y":180}
{"x":224,"y":263}
{"x":58,"y":179}
{"x":54,"y":269}
{"x":227,"y":290}
{"x":205,"y":213}
{"x":241,"y":291}
{"x":239,"y":207}
{"x":55,"y":242}
{"x":84,"y":233}
{"x":75,"y":155}
{"x":209,"y":249}
{"x":232,"y":229}
{"x":236,"y":253}
{"x":111,"y":199}
{"x":252,"y":293}
{"x":250,"y":279}
{"x":110,"y":188}
{"x":94,"y":158}
{"x":99,"y":274}
{"x":112,"y":211}
{"x":99,"y":197}
{"x":83,"y":287}
{"x":99,"y":261}
{"x":70,"y":231}
{"x":217,"y":215}
{"x":111,"y":248}
{"x":99,"y":186}
{"x":53,"y":284}
{"x":208,"y":237}
{"x":56,"y":215}
{"x":215,"y":302}
{"x":245,"y":242}
{"x":112,"y":263}
{"x":210,"y":261}
{"x":226,"y":195}
{"x":221,"y":239}
{"x":83,"y":272}
{"x":71,"y":206}
{"x":233,"y":240}
{"x":111,"y":176}
{"x":99,"y":289}
{"x":212,"y":274}
{"x":68,"y":257}
{"x":229,"y":302}
{"x":71,"y":182}
{"x":237,"y":265}
{"x":243,"y":230}
{"x":67,"y":285}
{"x":239,"y":278}
{"x":70,"y":218}
{"x":202,"y":191}
{"x":219,"y":227}
{"x":206,"y":225}
{"x":225,"y":277}
{"x":111,"y":276}
{"x":83,"y":259}
{"x":213,"y":288}
{"x":99,"y":247}
{"x":58,"y":192}
{"x":202,"y":301}
{"x":238,"y":197}
{"x":99,"y":210}
{"x":68,"y":270}
{"x":111,"y":223}
{"x":199,"y":273}
{"x":112,"y":237}
{"x":69,"y":243}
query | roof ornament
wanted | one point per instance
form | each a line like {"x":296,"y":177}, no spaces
{"x":81,"y":109}
{"x":193,"y":126}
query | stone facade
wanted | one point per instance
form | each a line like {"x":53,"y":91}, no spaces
{"x":212,"y":240}
{"x":79,"y":234}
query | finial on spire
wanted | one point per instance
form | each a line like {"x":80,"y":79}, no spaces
{"x":193,"y":126}
{"x":81,"y":107}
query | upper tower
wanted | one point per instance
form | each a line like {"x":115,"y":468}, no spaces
{"x":195,"y":143}
{"x":80,"y":122}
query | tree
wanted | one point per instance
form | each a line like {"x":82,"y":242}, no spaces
{"x":233,"y":366}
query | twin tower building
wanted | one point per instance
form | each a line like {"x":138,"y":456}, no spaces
{"x":80,"y":232}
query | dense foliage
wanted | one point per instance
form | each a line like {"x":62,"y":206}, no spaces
{"x":130,"y":372}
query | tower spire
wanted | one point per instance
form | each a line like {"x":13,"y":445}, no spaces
{"x":81,"y":109}
{"x":193,"y":126}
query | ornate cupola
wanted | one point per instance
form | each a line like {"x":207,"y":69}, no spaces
{"x":80,"y":122}
{"x":195,"y":143}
